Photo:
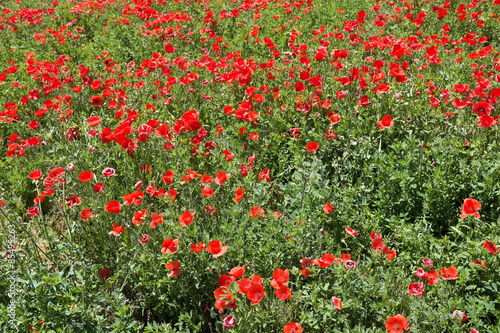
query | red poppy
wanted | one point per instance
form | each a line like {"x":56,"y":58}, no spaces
{"x":156,"y":219}
{"x":144,"y":239}
{"x":240,"y":194}
{"x":326,"y":260}
{"x":449,"y":273}
{"x":139,"y":217}
{"x":86,"y":214}
{"x":216,"y":248}
{"x":255,"y":293}
{"x":292,"y":327}
{"x":337,"y":302}
{"x":74,"y":201}
{"x":96,"y":100}
{"x":169,"y":246}
{"x":350,"y":231}
{"x":328,"y":208}
{"x":256,"y":211}
{"x":457,"y":314}
{"x":117,"y":230}
{"x":196,"y":248}
{"x":386,"y":122}
{"x":174,"y":268}
{"x":86,"y":176}
{"x":491,"y":247}
{"x":93,"y":121}
{"x":390,"y":254}
{"x":396,"y":324}
{"x":113,"y":207}
{"x":470,"y":207}
{"x":207,"y":191}
{"x":265,"y":174}
{"x":280,"y":277}
{"x":134,"y":198}
{"x":312,"y":147}
{"x":186,"y":218}
{"x":206,"y":179}
{"x":487,"y":121}
{"x":35,"y":175}
{"x":221,"y":177}
{"x":283,"y":292}
{"x":225,"y":280}
{"x":228,"y":322}
{"x":99,"y":187}
{"x":432,"y":277}
{"x":104,"y":273}
{"x":168,"y":177}
{"x":482,"y":108}
{"x":237,"y":271}
{"x":416,"y":289}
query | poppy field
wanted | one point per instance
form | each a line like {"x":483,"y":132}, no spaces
{"x":249,"y":166}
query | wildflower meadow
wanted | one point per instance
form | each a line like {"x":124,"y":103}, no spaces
{"x":250,"y":166}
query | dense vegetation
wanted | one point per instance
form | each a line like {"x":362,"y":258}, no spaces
{"x":249,"y":166}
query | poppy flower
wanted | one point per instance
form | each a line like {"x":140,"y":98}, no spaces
{"x":237,"y":271}
{"x":139,"y":217}
{"x":280,"y":277}
{"x":482,"y":108}
{"x":169,"y":246}
{"x":96,"y":100}
{"x":449,"y":273}
{"x":312,"y":147}
{"x":156,"y":219}
{"x":186,"y":218}
{"x":428,"y":262}
{"x":350,"y":264}
{"x":265,"y":174}
{"x":221,"y":177}
{"x":457,"y":314}
{"x":197,"y":248}
{"x":337,"y":302}
{"x":35,"y":175}
{"x":396,"y":324}
{"x":256,"y":211}
{"x":416,"y":289}
{"x":86,"y":176}
{"x":33,"y":211}
{"x":225,"y":280}
{"x":283,"y":292}
{"x":216,"y":248}
{"x":491,"y":247}
{"x":174,"y":268}
{"x":292,"y":327}
{"x":390,"y":254}
{"x":326,"y":260}
{"x":86,"y":214}
{"x":479,"y":263}
{"x":108,"y":172}
{"x":113,"y":207}
{"x":350,"y":231}
{"x":228,"y":322}
{"x":385,"y":122}
{"x":207,"y":191}
{"x":470,"y":207}
{"x":240,"y":194}
{"x":117,"y":230}
{"x":144,"y":239}
{"x":255,"y":293}
{"x":74,"y":201}
{"x":328,"y":208}
{"x":99,"y":187}
{"x":104,"y":273}
{"x":432,"y":277}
